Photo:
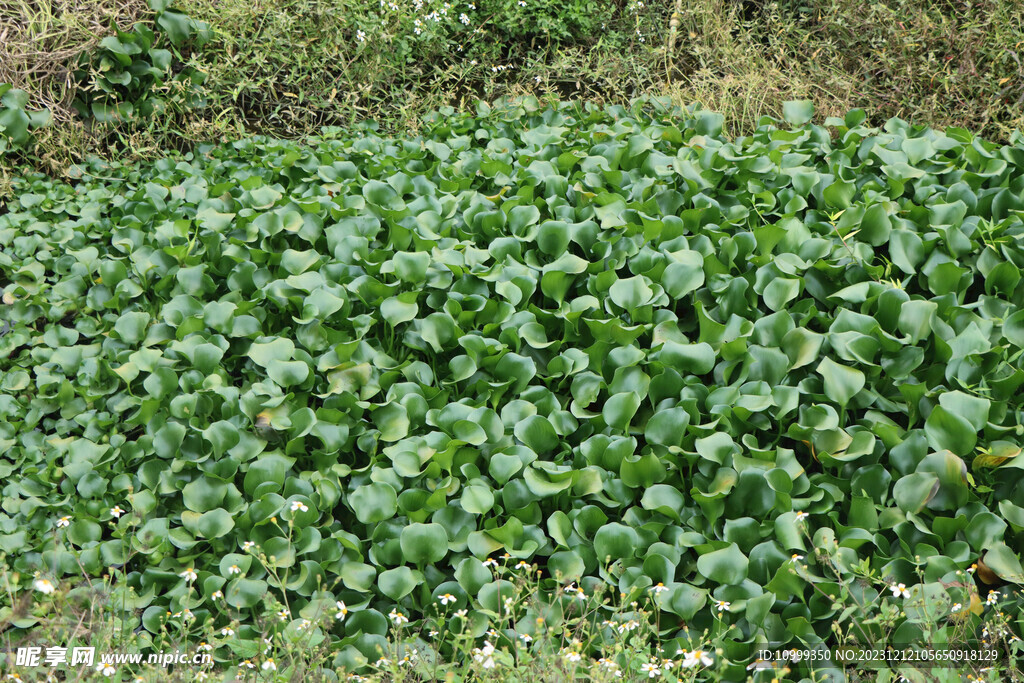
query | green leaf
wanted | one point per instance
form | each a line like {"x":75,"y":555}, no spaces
{"x":615,"y":542}
{"x":841,"y":382}
{"x":798,"y":112}
{"x":131,"y":327}
{"x":697,"y":359}
{"x":913,"y":491}
{"x":373,"y":503}
{"x":1005,"y":563}
{"x":397,"y":583}
{"x":727,"y":566}
{"x":667,"y":427}
{"x":177,"y":26}
{"x":537,"y":434}
{"x":684,"y":275}
{"x":393,"y":422}
{"x":664,"y":499}
{"x":400,"y":309}
{"x":971,"y":408}
{"x":780,"y":291}
{"x":424,"y":543}
{"x":215,"y":523}
{"x":478,"y":500}
{"x":801,"y":346}
{"x":205,"y":493}
{"x":631,"y":293}
{"x":949,"y":431}
{"x":875,"y":226}
{"x":619,"y":410}
{"x":245,"y":593}
{"x":265,"y":353}
{"x":287,"y":373}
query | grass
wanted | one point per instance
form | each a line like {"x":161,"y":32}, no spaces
{"x":592,"y":635}
{"x":289,"y":68}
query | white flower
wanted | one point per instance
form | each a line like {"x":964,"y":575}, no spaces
{"x":526,"y":637}
{"x":509,"y":603}
{"x":628,"y":626}
{"x":299,"y":505}
{"x":217,"y":595}
{"x":247,"y":663}
{"x":956,"y":607}
{"x":801,"y":516}
{"x":202,"y":676}
{"x":284,"y":614}
{"x":383,"y":661}
{"x":491,"y":563}
{"x":660,"y":588}
{"x":360,"y":36}
{"x":758,"y":664}
{"x":447,"y":599}
{"x":398,"y":618}
{"x":972,"y":568}
{"x":342,"y":611}
{"x":651,"y":669}
{"x":697,"y":657}
{"x":248,"y":545}
{"x":304,"y":624}
{"x":484,"y":655}
{"x":522,"y":565}
{"x":189,"y":575}
{"x":722,"y":605}
{"x":63,"y":522}
{"x":472,"y":6}
{"x":44,"y":586}
{"x":797,"y":558}
{"x":571,"y":655}
{"x":899,"y":589}
{"x":226,"y":631}
{"x":462,"y":613}
{"x":464,"y":18}
{"x":106,"y":668}
{"x":522,"y":3}
{"x":234,"y":569}
{"x":432,"y":633}
{"x":269,"y":665}
{"x":116,"y":512}
{"x":993,"y":597}
{"x":204,"y":647}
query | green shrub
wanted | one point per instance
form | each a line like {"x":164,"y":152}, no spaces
{"x":560,"y":21}
{"x":759,"y":380}
{"x":17,"y":123}
{"x":128,"y":77}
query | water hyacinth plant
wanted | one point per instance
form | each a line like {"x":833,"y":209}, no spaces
{"x":601,"y":385}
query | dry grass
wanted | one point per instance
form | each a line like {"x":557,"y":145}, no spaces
{"x":288,"y":68}
{"x":41,"y":40}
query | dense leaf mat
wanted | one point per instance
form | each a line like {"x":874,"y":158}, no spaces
{"x":611,"y":342}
